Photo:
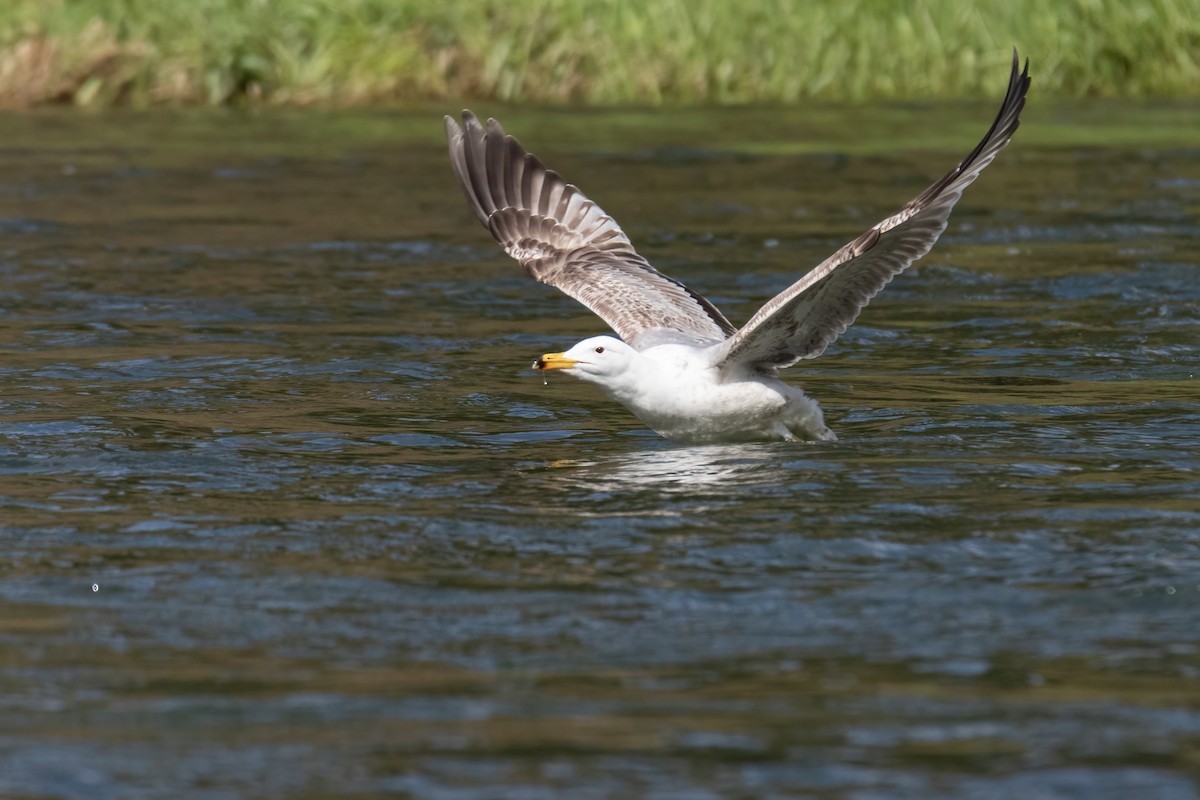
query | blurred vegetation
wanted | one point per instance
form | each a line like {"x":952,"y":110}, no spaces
{"x":354,"y":52}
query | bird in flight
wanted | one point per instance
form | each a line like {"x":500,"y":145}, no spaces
{"x":679,"y":365}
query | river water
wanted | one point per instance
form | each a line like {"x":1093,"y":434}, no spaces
{"x":285,"y":512}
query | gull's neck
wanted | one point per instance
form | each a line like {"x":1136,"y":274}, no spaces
{"x":631,"y":384}
{"x":650,"y":372}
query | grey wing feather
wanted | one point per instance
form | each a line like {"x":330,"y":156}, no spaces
{"x":565,"y":240}
{"x":804,"y":319}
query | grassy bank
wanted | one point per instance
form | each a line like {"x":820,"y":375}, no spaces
{"x":348,"y":52}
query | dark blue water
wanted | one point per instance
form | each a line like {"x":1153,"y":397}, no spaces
{"x":286,"y":514}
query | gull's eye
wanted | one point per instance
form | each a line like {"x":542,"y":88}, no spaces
{"x":599,"y":349}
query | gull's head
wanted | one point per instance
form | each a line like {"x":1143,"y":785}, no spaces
{"x":600,"y":359}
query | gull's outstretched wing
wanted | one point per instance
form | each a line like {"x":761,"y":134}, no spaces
{"x":565,"y":240}
{"x":804,"y":319}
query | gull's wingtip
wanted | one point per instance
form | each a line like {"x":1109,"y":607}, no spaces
{"x":1017,"y":69}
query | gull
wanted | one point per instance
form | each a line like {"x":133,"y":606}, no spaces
{"x":679,"y":365}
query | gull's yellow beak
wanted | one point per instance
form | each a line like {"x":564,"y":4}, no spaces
{"x":554,"y":361}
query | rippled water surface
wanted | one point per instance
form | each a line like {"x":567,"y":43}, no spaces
{"x":285,"y":513}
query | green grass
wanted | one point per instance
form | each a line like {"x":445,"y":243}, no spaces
{"x":353,"y":52}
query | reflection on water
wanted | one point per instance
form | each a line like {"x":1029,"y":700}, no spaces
{"x":264,"y":386}
{"x":666,"y":469}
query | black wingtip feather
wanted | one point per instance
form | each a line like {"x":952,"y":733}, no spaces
{"x":1007,"y":120}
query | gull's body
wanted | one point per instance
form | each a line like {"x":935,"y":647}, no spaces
{"x":679,"y":365}
{"x":677,"y":391}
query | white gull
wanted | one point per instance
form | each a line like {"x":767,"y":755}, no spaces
{"x":679,"y":365}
